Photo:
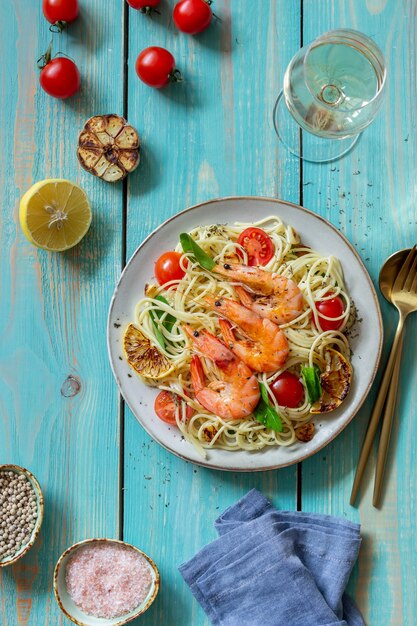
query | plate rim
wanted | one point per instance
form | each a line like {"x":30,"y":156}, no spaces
{"x":365,"y":394}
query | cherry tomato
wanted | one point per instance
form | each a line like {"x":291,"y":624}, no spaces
{"x":145,"y":6}
{"x":288,"y":390}
{"x":333,"y":307}
{"x":156,"y":67}
{"x":60,"y":10}
{"x":165,"y":405}
{"x":257,"y":244}
{"x":192,"y":16}
{"x":59,"y":77}
{"x":167,"y":267}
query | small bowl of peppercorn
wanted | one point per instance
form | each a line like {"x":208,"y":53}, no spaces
{"x":21,"y":512}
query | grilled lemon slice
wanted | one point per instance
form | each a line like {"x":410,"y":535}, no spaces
{"x":142,"y":356}
{"x":335,"y":382}
{"x":108,"y":147}
{"x":55,"y":214}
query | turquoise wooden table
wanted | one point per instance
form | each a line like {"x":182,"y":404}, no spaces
{"x":211,"y":136}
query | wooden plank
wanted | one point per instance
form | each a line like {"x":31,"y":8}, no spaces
{"x":370,"y":195}
{"x":54,"y":306}
{"x":212,"y":136}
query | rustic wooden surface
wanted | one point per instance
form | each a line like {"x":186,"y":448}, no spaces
{"x":211,"y":136}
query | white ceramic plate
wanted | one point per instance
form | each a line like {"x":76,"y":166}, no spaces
{"x":316,"y":233}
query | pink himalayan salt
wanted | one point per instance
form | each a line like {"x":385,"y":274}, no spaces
{"x":108,"y":580}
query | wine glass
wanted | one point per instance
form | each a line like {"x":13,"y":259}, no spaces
{"x":332,"y":89}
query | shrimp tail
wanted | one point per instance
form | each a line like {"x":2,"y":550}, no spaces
{"x":198,"y":378}
{"x":244,"y":296}
{"x":226,"y":330}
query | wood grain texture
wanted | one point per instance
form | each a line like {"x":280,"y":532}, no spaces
{"x":210,"y":136}
{"x":370,"y":195}
{"x":54,"y":306}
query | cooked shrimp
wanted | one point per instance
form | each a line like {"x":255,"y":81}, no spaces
{"x":274,"y":296}
{"x":266,"y":346}
{"x":233,"y":397}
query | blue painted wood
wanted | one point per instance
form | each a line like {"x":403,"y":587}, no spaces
{"x":210,"y":136}
{"x":370,"y":195}
{"x":54,"y":306}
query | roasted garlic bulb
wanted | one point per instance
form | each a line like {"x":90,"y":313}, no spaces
{"x":108,"y":147}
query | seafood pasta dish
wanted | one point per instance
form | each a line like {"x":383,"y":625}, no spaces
{"x":244,"y":331}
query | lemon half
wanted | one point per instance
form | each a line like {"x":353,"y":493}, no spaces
{"x":55,"y":214}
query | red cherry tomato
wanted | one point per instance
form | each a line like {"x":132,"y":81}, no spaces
{"x":288,"y":390}
{"x":156,"y":67}
{"x":165,"y":406}
{"x":60,"y":77}
{"x":192,"y":16}
{"x":60,"y":10}
{"x":333,"y":307}
{"x":257,"y":244}
{"x":167,"y":267}
{"x":145,"y":6}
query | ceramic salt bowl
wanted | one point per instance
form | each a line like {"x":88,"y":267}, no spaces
{"x":74,"y":613}
{"x":9,"y":560}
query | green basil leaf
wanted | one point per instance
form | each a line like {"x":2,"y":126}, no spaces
{"x":311,"y":376}
{"x":190,"y":246}
{"x":265,"y":413}
{"x":260,"y":412}
{"x":169,"y":320}
{"x":264,"y":393}
{"x":158,"y":334}
{"x":273,"y":420}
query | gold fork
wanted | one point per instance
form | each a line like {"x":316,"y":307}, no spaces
{"x":404,"y":298}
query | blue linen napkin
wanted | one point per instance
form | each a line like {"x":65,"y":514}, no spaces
{"x":276,"y":568}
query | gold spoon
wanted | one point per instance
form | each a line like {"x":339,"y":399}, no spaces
{"x":392,"y":267}
{"x":398,"y":282}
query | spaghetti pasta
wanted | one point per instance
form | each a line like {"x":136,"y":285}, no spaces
{"x":318,"y":277}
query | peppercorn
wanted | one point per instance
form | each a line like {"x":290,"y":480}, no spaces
{"x":18,"y":512}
